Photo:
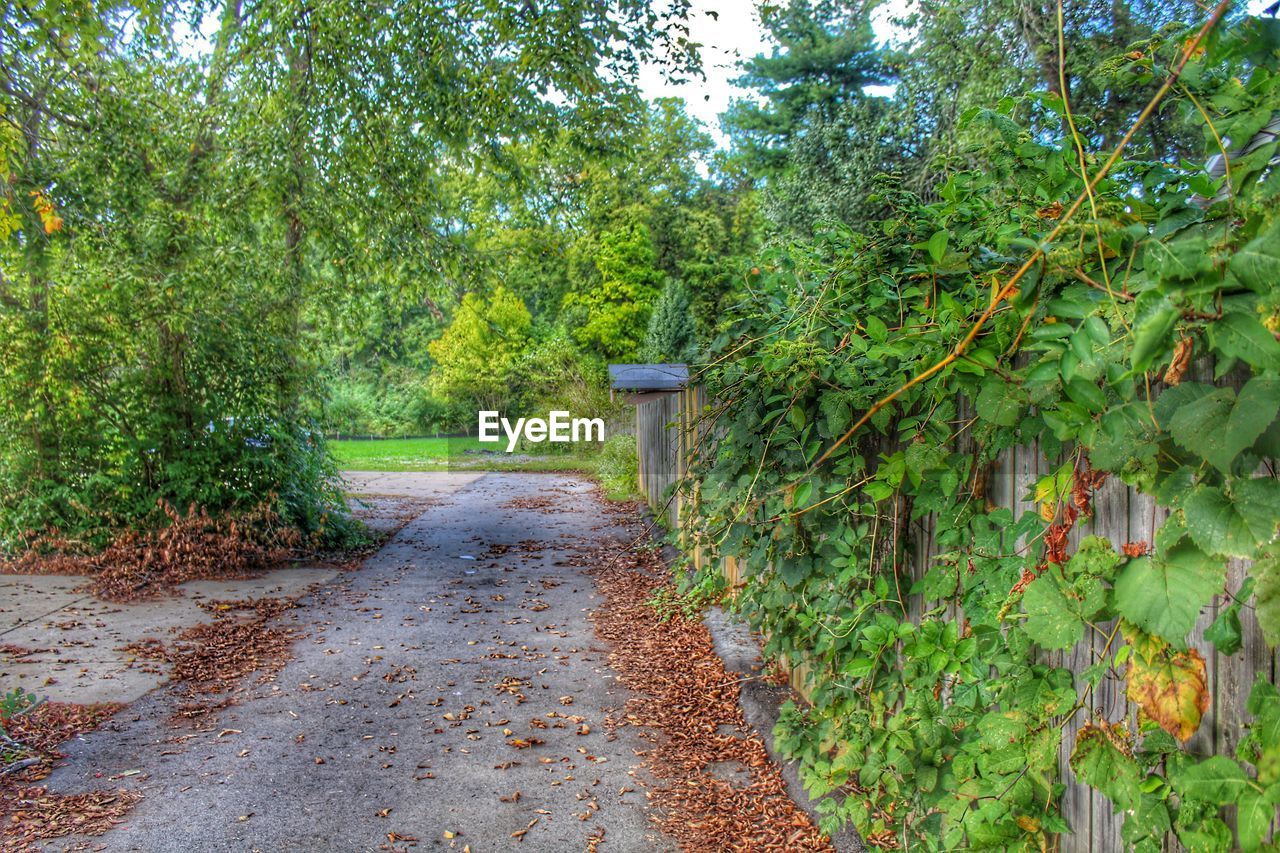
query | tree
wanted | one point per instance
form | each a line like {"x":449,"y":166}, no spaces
{"x":673,"y":336}
{"x":612,"y":315}
{"x":476,"y":357}
{"x":972,"y":55}
{"x":836,"y":171}
{"x":824,"y":57}
{"x":177,"y":222}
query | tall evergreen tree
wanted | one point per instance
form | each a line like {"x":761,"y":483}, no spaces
{"x":824,"y":57}
{"x":673,"y":335}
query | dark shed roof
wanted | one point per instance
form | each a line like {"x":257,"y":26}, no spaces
{"x":648,"y":377}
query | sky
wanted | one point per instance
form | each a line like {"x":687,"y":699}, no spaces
{"x":735,"y":36}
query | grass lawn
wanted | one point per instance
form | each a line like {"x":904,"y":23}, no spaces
{"x":448,"y":454}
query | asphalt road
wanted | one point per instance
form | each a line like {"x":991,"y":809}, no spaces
{"x":447,"y":695}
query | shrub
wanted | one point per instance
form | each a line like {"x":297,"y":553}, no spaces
{"x":618,"y":467}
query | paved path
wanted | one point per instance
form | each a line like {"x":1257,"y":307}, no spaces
{"x":405,"y":713}
{"x":59,"y":642}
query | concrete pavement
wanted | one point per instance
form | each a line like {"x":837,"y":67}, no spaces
{"x":59,"y":642}
{"x":449,"y":695}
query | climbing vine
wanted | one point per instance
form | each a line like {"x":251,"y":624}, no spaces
{"x":1122,"y":331}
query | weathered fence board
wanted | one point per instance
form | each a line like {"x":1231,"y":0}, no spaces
{"x":667,"y":433}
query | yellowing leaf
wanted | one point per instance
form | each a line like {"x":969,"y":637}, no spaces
{"x":1051,"y":489}
{"x":1171,"y":687}
{"x":44,"y":207}
{"x":1027,"y":823}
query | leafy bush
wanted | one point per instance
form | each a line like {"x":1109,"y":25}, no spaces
{"x":617,"y":466}
{"x":390,"y":407}
{"x":877,"y":377}
{"x":688,"y":600}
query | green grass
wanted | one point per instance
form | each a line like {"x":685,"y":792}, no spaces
{"x":447,"y":454}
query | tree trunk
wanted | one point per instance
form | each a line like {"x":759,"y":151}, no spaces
{"x":38,"y":293}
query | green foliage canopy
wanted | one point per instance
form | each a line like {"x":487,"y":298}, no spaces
{"x":179,"y":218}
{"x":476,"y":357}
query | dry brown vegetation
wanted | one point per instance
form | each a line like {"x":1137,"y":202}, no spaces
{"x":685,"y":704}
{"x":29,"y":813}
{"x":193,"y":546}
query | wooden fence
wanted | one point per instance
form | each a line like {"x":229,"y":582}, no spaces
{"x":666,"y":432}
{"x":664,"y":441}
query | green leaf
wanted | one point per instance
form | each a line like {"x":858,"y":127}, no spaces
{"x":1125,"y":439}
{"x":795,"y":570}
{"x":999,"y":402}
{"x":1100,"y":763}
{"x":1254,"y":813}
{"x":1150,"y":819}
{"x":797,"y":417}
{"x":1203,"y":412}
{"x":1235,"y":527}
{"x":1258,"y":502}
{"x":1180,"y":259}
{"x":1051,"y":622}
{"x":1266,"y":571}
{"x":1216,"y":425}
{"x":1241,"y":335}
{"x":1217,"y":780}
{"x":1210,"y":836}
{"x":1257,"y":264}
{"x":1152,"y":324}
{"x":1087,"y":394}
{"x":1095,"y":557}
{"x":876,"y":329}
{"x":1268,"y":444}
{"x":1163,"y":596}
{"x":1226,"y":633}
{"x":1264,"y":705}
{"x":937,"y":245}
{"x":1255,"y":411}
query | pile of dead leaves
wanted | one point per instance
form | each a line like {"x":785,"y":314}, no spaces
{"x":193,"y":546}
{"x":213,"y":657}
{"x":30,"y":814}
{"x":33,"y":815}
{"x":685,"y":704}
{"x":51,"y":724}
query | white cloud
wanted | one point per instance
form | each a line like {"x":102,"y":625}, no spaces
{"x":736,"y":34}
